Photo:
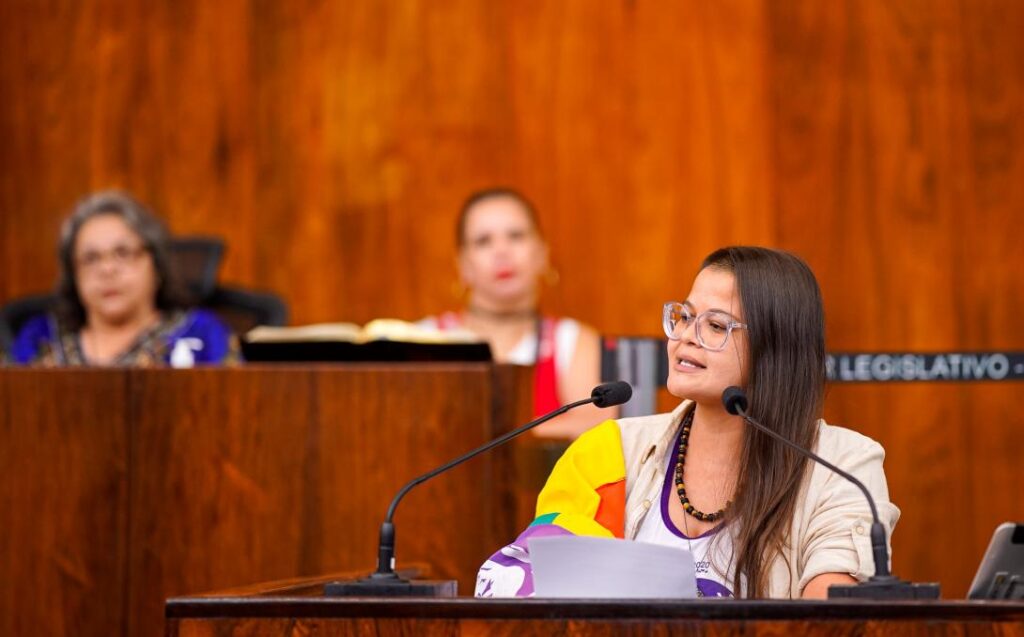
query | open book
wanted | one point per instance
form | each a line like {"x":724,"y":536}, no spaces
{"x":377,"y":330}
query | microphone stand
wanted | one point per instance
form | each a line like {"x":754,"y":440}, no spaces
{"x":881,"y":585}
{"x":385,"y":581}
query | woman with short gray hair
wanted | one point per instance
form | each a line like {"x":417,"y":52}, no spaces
{"x":119,"y":303}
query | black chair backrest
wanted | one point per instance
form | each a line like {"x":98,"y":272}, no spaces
{"x":243,"y":310}
{"x":196,"y":260}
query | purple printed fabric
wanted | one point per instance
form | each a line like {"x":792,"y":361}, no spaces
{"x":508,"y":572}
{"x":711,"y":588}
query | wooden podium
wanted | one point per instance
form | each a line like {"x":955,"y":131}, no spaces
{"x":124,"y":487}
{"x":299,"y":608}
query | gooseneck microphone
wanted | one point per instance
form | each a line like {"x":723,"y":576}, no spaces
{"x":735,"y":401}
{"x":385,"y":581}
{"x":882,"y":585}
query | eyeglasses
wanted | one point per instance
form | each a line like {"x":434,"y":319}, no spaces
{"x":120,"y":256}
{"x":712,"y":327}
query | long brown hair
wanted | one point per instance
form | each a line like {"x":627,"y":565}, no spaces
{"x":786,"y":384}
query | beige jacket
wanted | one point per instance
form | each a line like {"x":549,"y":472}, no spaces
{"x":831,"y":523}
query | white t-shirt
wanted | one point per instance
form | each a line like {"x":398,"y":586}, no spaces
{"x":567,"y":331}
{"x":711,"y":551}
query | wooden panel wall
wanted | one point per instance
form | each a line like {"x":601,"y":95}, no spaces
{"x":331,"y":144}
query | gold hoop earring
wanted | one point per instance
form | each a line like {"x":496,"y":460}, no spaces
{"x":458,"y":290}
{"x":552,"y":277}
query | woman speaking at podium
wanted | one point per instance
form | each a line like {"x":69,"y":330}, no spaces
{"x":759,"y":519}
{"x":502,"y":259}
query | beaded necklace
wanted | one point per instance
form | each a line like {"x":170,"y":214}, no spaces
{"x":681,"y":488}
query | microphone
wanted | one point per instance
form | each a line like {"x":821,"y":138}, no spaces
{"x":385,"y":581}
{"x":607,"y":395}
{"x":881,"y":585}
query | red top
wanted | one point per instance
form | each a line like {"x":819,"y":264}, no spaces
{"x":545,"y":372}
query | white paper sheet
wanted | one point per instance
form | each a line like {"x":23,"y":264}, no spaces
{"x":604,"y":568}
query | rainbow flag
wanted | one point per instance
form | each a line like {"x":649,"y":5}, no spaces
{"x":584,"y":495}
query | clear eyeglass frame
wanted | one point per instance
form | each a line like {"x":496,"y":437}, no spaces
{"x":674,"y":312}
{"x":121,"y":256}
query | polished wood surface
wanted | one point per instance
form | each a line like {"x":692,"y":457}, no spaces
{"x":330,"y":144}
{"x":954,"y":462}
{"x":634,"y":627}
{"x":221,"y":485}
{"x":298,"y":608}
{"x":64,"y":502}
{"x":124,"y":487}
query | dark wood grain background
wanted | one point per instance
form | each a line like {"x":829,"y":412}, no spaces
{"x":331,"y":144}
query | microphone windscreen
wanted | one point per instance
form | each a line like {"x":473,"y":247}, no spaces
{"x":611,"y":394}
{"x":735,"y":400}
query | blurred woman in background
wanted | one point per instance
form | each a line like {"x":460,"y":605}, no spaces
{"x":118,"y":300}
{"x":501,"y":261}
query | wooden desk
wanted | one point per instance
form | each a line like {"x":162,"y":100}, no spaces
{"x":124,"y":487}
{"x":299,"y":609}
{"x":129,"y":486}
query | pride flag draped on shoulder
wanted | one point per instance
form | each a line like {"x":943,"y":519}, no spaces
{"x":584,"y":495}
